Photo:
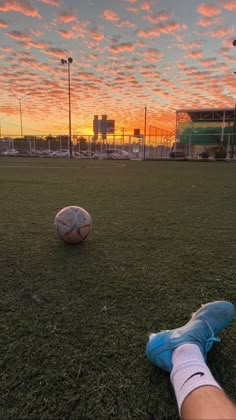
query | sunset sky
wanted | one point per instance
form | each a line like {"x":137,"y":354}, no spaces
{"x":127,"y":54}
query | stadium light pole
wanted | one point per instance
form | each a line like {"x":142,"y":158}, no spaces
{"x":1,"y":124}
{"x":145,"y":132}
{"x":68,"y":62}
{"x":234,"y":128}
{"x":20,"y":99}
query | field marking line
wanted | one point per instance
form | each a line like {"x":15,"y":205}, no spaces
{"x":61,"y":167}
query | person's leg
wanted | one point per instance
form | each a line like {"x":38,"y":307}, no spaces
{"x":207,"y":403}
{"x":182,"y":352}
{"x":198,"y":395}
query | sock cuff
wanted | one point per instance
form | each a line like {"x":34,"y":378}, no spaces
{"x":188,"y":376}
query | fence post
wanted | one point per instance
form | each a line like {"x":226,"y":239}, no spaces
{"x":189,"y":146}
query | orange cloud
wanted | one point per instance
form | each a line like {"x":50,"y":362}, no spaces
{"x":230,"y":5}
{"x":67,"y":17}
{"x":221,"y":32}
{"x":66,"y":34}
{"x":207,"y":9}
{"x":169,"y":27}
{"x":152,"y":55}
{"x":159,"y":16}
{"x":227,"y":42}
{"x":126,"y":46}
{"x":145,"y":6}
{"x":56,"y":52}
{"x":52,"y":2}
{"x":132,"y":10}
{"x":18,"y":36}
{"x":207,"y":21}
{"x":22,"y":6}
{"x":6,"y":48}
{"x":149,"y":33}
{"x":191,"y":45}
{"x":208,"y":62}
{"x":125,"y":23}
{"x":110,"y":15}
{"x":96,"y":35}
{"x":3,"y":24}
{"x":39,"y":45}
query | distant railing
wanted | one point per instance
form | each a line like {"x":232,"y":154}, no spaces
{"x":134,"y":146}
{"x":191,"y":146}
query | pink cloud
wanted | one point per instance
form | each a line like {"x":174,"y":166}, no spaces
{"x":66,"y":34}
{"x":22,"y":6}
{"x":227,"y":42}
{"x":145,"y":6}
{"x":39,"y":45}
{"x":67,"y":17}
{"x":3,"y":24}
{"x":208,"y":62}
{"x":37,"y":33}
{"x":55,"y":52}
{"x":207,"y":21}
{"x":169,"y":27}
{"x":132,"y":10}
{"x":221,"y":32}
{"x":96,"y":35}
{"x":195,"y":54}
{"x":52,"y":2}
{"x":149,"y":32}
{"x":152,"y":55}
{"x":110,"y":15}
{"x":159,"y":16}
{"x":19,"y":36}
{"x":207,"y":9}
{"x":191,"y":45}
{"x":125,"y":23}
{"x":126,"y":46}
{"x":6,"y":48}
{"x":166,"y":28}
{"x":230,"y":5}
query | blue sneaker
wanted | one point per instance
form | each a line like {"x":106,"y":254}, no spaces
{"x":208,"y":321}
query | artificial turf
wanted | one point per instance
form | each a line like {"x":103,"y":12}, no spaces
{"x":75,"y":319}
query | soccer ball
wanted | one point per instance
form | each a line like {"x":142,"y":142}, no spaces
{"x":73,"y":224}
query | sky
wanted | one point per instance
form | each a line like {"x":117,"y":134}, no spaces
{"x":127,"y":55}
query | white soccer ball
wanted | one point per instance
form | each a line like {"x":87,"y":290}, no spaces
{"x":73,"y":224}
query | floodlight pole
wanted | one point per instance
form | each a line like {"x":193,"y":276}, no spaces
{"x":20,"y":100}
{"x":145,"y":130}
{"x":68,"y":62}
{"x":1,"y":124}
{"x":234,"y":127}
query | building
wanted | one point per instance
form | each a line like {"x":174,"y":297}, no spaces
{"x":103,"y":127}
{"x":198,"y":130}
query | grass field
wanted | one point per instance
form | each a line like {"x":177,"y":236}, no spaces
{"x":75,"y":319}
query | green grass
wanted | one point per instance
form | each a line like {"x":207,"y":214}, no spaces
{"x":75,"y":319}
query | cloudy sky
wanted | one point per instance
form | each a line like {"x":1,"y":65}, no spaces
{"x":127,"y":54}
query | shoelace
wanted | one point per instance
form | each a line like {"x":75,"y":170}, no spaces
{"x":211,"y":339}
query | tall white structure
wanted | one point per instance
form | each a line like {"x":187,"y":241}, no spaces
{"x":103,"y":127}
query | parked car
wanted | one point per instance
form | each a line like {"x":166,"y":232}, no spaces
{"x":60,"y":153}
{"x":10,"y":152}
{"x":111,"y":154}
{"x":44,"y":152}
{"x":79,"y":155}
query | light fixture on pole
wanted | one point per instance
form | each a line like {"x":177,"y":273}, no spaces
{"x":1,"y":124}
{"x":68,"y":62}
{"x":20,"y":99}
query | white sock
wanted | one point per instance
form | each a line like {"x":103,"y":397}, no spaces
{"x":189,"y":372}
